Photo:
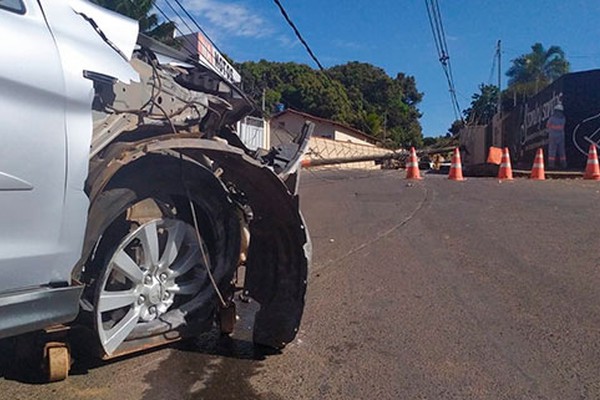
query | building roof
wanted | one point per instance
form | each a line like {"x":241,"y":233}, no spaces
{"x":349,"y":129}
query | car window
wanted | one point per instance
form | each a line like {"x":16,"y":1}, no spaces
{"x":13,"y":5}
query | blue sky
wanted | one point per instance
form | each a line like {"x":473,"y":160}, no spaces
{"x":396,"y":36}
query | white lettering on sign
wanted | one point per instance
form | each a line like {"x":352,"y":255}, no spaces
{"x":208,"y":55}
{"x":541,"y":112}
{"x":222,"y":66}
{"x":533,"y":130}
{"x":211,"y":56}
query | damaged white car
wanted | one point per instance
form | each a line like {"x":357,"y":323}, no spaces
{"x":129,"y":207}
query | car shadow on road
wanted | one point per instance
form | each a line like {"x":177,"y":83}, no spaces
{"x":211,"y":366}
{"x":16,"y":368}
{"x":21,"y":360}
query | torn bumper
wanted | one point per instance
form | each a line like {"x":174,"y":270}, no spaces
{"x":280,"y":248}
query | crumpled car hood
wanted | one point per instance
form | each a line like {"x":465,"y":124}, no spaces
{"x":118,"y":29}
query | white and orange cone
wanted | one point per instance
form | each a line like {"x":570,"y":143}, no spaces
{"x":456,"y":167}
{"x":412,"y":166}
{"x":537,"y":171}
{"x":592,"y":169}
{"x":505,"y":172}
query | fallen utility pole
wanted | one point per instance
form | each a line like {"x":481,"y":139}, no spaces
{"x":399,"y":155}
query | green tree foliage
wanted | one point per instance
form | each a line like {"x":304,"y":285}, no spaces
{"x":358,"y":94}
{"x":430,"y":141}
{"x":297,"y":86}
{"x":483,"y":105}
{"x":531,"y":72}
{"x":440,"y":141}
{"x":373,"y":124}
{"x":141,"y":10}
{"x":455,"y":128}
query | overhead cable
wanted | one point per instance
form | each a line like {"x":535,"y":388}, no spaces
{"x":298,"y":34}
{"x":166,"y":17}
{"x":197,"y":25}
{"x":439,"y":38}
{"x":168,"y":3}
{"x":183,"y":35}
{"x":493,"y":69}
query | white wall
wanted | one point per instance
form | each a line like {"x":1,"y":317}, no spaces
{"x":343,"y":137}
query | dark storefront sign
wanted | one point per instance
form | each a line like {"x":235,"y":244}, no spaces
{"x":524,"y":128}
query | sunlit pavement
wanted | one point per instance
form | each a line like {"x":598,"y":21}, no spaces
{"x":430,"y":289}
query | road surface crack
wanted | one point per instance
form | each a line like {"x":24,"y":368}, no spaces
{"x":379,"y":236}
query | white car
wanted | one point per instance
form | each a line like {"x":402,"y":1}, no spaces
{"x":127,"y":201}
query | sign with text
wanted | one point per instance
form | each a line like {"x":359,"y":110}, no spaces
{"x":198,"y":44}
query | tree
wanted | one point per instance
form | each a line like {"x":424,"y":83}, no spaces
{"x":374,"y":124}
{"x":455,"y":128}
{"x":393,"y":100}
{"x":533,"y":71}
{"x":297,"y":86}
{"x":483,"y":105}
{"x":358,"y":94}
{"x":141,"y":10}
{"x":429,"y":141}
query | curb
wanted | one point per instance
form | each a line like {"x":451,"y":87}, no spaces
{"x":551,"y":174}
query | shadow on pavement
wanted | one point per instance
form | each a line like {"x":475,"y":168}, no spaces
{"x":210,"y":367}
{"x":213,"y":366}
{"x":17,"y":368}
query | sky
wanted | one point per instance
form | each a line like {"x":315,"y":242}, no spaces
{"x":396,"y":36}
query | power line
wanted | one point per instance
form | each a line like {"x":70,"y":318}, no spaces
{"x":298,"y":34}
{"x":166,"y":17}
{"x":189,"y":28}
{"x":191,"y":42}
{"x":197,"y":25}
{"x":493,"y":69}
{"x":168,"y":3}
{"x":133,"y":3}
{"x":439,"y":37}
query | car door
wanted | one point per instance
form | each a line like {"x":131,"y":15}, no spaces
{"x":32,"y":148}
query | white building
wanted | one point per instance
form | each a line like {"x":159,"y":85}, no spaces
{"x":289,"y":123}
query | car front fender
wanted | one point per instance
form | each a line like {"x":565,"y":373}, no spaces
{"x":280,"y":249}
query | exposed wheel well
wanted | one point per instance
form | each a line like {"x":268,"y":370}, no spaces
{"x":158,"y":173}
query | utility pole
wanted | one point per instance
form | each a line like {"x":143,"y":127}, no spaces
{"x":499,"y":50}
{"x":384,"y":126}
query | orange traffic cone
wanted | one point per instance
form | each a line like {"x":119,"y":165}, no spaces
{"x":456,"y":167}
{"x":412,"y":166}
{"x":592,"y":170}
{"x":505,"y":172}
{"x":537,"y":171}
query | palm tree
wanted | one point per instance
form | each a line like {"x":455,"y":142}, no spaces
{"x":533,"y":71}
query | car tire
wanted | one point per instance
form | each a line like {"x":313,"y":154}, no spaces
{"x":147,"y":278}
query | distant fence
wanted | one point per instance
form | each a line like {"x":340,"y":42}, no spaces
{"x":324,"y":149}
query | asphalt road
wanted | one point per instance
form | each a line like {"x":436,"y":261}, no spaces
{"x":424,"y":290}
